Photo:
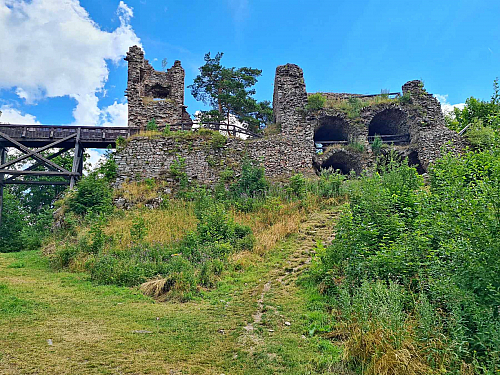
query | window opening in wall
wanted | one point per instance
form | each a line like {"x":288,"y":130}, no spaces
{"x":331,"y":130}
{"x":341,"y":161}
{"x":390,"y":125}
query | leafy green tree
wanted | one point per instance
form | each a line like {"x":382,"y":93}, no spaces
{"x":229,"y":91}
{"x":12,"y":224}
{"x":476,"y":110}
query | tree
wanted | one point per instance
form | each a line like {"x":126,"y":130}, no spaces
{"x":229,"y":92}
{"x":475,"y":111}
{"x":12,"y":224}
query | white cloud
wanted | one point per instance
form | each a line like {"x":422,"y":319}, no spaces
{"x":13,"y":116}
{"x":446,"y":107}
{"x":95,"y":156}
{"x":53,"y":48}
{"x":115,"y":114}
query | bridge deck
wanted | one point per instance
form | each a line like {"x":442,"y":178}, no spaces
{"x":42,"y":135}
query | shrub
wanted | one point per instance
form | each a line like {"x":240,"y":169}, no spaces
{"x":439,"y":245}
{"x":218,"y":141}
{"x":92,"y":195}
{"x":297,"y":185}
{"x":315,"y":102}
{"x":12,"y":224}
{"x":152,"y":125}
{"x":405,"y":98}
{"x":480,"y":136}
{"x":252,"y":182}
{"x":108,"y":169}
{"x":328,"y":185}
{"x":356,"y":146}
{"x":377,"y":144}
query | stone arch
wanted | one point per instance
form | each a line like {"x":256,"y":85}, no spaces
{"x":390,"y":121}
{"x":331,"y":128}
{"x":341,"y":160}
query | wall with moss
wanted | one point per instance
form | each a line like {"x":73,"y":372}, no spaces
{"x":205,"y":156}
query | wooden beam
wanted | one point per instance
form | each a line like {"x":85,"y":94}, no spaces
{"x":32,"y":153}
{"x":21,"y":158}
{"x":37,"y":164}
{"x":76,"y":161}
{"x":37,"y":173}
{"x":21,"y":182}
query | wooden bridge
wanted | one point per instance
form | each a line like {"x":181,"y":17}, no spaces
{"x":43,"y":143}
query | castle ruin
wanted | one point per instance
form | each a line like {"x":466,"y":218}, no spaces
{"x":308,"y":141}
{"x":154,"y":95}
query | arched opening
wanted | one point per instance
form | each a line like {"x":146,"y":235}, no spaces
{"x":391,"y":121}
{"x":341,"y":161}
{"x":331,"y":129}
{"x":414,"y":161}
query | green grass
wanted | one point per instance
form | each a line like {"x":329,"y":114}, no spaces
{"x":92,"y":327}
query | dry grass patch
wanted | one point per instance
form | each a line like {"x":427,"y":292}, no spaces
{"x":155,"y":288}
{"x":379,"y":354}
{"x":275,"y":221}
{"x":139,"y":192}
{"x":161,"y":226}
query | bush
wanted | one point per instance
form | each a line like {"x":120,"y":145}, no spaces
{"x":481,"y":137}
{"x":297,"y":185}
{"x":440,"y":245}
{"x":218,"y":141}
{"x":152,"y":125}
{"x":405,"y":98}
{"x":315,"y":102}
{"x":377,"y":144}
{"x":12,"y":224}
{"x":328,"y":185}
{"x":252,"y":182}
{"x":92,"y":194}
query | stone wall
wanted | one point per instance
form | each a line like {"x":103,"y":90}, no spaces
{"x":152,"y":94}
{"x":145,"y":157}
{"x":427,"y":125}
{"x":289,"y":101}
{"x":290,"y":151}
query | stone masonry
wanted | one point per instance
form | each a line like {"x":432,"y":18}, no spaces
{"x":152,"y":94}
{"x":293,"y":150}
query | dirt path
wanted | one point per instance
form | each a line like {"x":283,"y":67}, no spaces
{"x":318,"y":227}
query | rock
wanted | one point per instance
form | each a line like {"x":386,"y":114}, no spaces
{"x":288,"y":324}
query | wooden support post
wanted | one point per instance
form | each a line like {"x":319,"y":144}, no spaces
{"x":76,"y":159}
{"x":2,"y":161}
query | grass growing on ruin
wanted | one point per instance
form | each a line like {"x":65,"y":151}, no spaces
{"x":352,"y":107}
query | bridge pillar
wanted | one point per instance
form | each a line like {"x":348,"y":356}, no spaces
{"x":2,"y":161}
{"x":77,"y":158}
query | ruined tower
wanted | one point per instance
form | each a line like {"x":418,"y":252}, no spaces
{"x":153,"y":94}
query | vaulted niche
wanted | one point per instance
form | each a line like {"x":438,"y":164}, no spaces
{"x":157,"y":91}
{"x":341,"y":161}
{"x":331,"y":128}
{"x":390,"y":121}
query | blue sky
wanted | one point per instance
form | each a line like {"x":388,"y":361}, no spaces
{"x":64,"y":64}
